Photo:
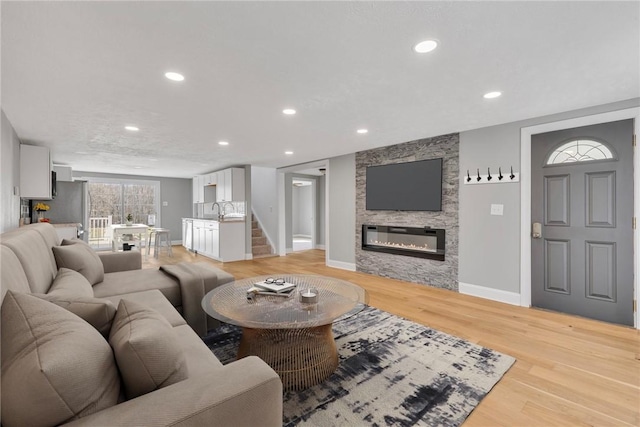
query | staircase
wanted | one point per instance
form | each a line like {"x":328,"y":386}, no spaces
{"x":260,"y":248}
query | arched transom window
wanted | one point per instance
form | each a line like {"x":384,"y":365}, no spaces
{"x":580,"y":150}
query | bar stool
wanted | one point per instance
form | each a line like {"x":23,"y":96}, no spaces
{"x":159,"y":234}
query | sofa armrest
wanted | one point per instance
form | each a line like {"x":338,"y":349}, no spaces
{"x":120,"y":261}
{"x":243,"y":393}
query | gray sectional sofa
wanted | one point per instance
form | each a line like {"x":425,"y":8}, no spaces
{"x":117,"y":351}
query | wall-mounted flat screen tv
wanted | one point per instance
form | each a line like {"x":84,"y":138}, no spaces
{"x":411,"y":186}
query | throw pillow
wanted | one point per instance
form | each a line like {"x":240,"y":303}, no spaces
{"x":67,"y":242}
{"x":55,"y":367}
{"x":95,"y":311}
{"x":82,"y":259}
{"x":69,"y":284}
{"x":146,"y":349}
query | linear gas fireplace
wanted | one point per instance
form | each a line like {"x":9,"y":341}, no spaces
{"x":421,"y":242}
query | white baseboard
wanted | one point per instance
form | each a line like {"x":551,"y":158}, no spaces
{"x":176,"y":243}
{"x":507,"y":297}
{"x":248,"y":256}
{"x":320,"y":247}
{"x":341,"y":265}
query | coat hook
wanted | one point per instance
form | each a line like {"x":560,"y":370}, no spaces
{"x":468,"y":176}
{"x":500,"y":176}
{"x":489,"y":174}
{"x":478,"y":178}
{"x":512,"y":175}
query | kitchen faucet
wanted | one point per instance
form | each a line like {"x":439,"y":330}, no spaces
{"x":219,"y":213}
{"x":224,"y":208}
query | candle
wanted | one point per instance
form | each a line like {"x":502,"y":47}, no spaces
{"x":309,"y":296}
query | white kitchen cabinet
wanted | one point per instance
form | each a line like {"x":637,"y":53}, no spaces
{"x":223,"y":241}
{"x":35,"y":172}
{"x":230,"y":185}
{"x":198,"y":189}
{"x":221,"y":191}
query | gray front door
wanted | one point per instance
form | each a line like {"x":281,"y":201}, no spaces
{"x":582,"y":197}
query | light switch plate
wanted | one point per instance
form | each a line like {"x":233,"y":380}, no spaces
{"x":165,"y":203}
{"x":497,"y":209}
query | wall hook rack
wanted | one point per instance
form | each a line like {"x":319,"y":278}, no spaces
{"x":489,"y":179}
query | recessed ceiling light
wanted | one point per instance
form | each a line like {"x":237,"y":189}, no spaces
{"x":491,"y":95}
{"x":289,"y":111}
{"x":137,"y":167}
{"x":153,"y":160}
{"x":425,"y":46}
{"x":288,"y":153}
{"x":176,"y":77}
{"x":132,"y":128}
{"x":223,"y":143}
{"x":362,"y":131}
{"x":81,"y":152}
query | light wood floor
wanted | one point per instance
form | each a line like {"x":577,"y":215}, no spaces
{"x":569,"y":371}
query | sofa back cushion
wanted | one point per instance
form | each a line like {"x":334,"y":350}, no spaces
{"x":55,"y":366}
{"x":146,"y":348}
{"x":12,"y":275}
{"x":34,"y":254}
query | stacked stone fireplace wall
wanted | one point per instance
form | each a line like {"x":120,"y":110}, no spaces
{"x":441,"y":274}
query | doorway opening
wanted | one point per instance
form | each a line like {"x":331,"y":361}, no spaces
{"x":303,"y":216}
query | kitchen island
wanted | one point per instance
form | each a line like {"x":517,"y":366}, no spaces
{"x":222,"y":240}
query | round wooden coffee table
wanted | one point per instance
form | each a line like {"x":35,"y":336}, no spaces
{"x":292,"y":336}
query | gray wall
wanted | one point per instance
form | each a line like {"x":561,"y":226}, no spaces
{"x":302,"y":210}
{"x":320,"y":211}
{"x":490,"y":245}
{"x":177,"y":192}
{"x":10,"y":173}
{"x":441,"y":274}
{"x":264,"y":200}
{"x":341,"y":186}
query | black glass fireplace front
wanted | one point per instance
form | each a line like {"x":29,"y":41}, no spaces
{"x":422,"y":242}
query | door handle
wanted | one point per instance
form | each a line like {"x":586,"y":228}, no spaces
{"x":536,"y":230}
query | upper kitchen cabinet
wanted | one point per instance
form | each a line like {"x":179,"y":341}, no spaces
{"x":230,"y":185}
{"x":35,"y":172}
{"x":198,"y":189}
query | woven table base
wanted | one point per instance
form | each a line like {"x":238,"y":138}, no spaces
{"x":301,"y":357}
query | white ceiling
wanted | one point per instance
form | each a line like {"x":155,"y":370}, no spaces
{"x":75,"y":73}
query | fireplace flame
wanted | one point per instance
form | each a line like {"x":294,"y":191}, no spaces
{"x":411,"y":246}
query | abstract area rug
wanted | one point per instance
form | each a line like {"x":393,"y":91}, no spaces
{"x":391,"y":372}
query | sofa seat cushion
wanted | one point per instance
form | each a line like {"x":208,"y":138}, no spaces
{"x":81,"y":258}
{"x":55,"y":366}
{"x":155,"y":300}
{"x":200,"y":360}
{"x":125,"y":282}
{"x":146,"y":349}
